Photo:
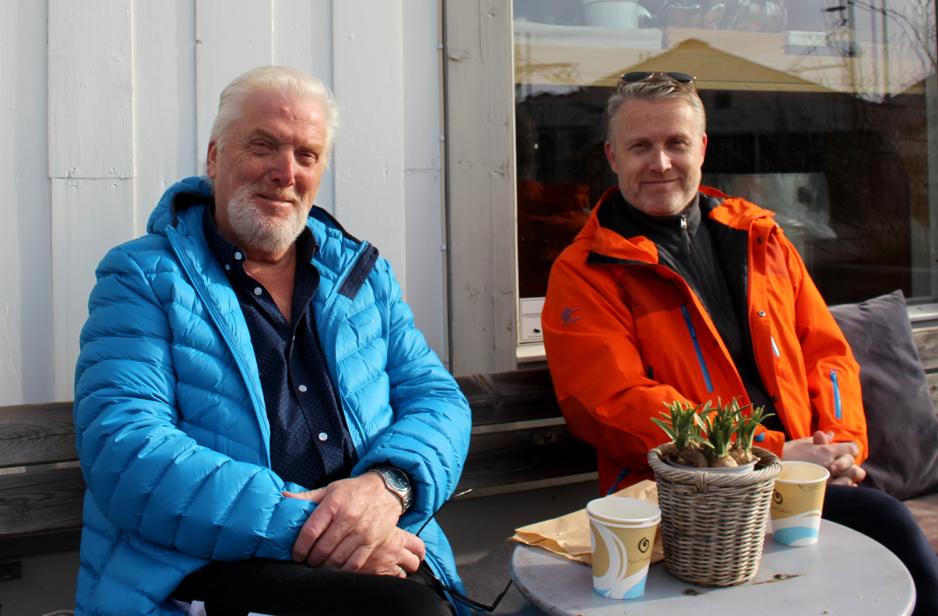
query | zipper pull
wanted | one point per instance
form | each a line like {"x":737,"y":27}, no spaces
{"x":685,"y":236}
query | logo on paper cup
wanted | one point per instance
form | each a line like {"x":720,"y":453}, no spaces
{"x":796,"y":499}
{"x":621,"y":556}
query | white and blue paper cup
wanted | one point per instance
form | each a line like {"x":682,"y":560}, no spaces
{"x":797,"y":502}
{"x":622,"y":534}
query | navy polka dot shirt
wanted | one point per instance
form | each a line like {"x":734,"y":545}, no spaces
{"x":309,"y":441}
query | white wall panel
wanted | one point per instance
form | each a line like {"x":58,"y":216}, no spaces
{"x":480,"y":147}
{"x":90,"y":89}
{"x":91,"y":158}
{"x":369,"y":156}
{"x":88,"y":218}
{"x":164,"y":100}
{"x":25,"y":288}
{"x":423,"y":172}
{"x":105,"y":103}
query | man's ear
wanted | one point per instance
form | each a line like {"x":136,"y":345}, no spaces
{"x":610,"y":156}
{"x":703,"y":146}
{"x":211,"y":161}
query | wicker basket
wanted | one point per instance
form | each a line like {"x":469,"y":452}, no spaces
{"x":713,"y":525}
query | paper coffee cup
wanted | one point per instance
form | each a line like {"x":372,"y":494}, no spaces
{"x":797,"y":502}
{"x":622,"y":535}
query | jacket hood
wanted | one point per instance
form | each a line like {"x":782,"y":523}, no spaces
{"x":733,"y":212}
{"x":195,"y":189}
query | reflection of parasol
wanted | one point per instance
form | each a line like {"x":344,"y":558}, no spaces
{"x":716,"y":69}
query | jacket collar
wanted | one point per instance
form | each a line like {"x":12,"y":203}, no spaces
{"x":607,"y":244}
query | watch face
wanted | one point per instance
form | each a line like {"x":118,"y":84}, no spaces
{"x":396,"y":479}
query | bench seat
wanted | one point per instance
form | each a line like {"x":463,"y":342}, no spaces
{"x":519,"y":442}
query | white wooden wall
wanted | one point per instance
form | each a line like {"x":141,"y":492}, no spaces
{"x":104,"y":103}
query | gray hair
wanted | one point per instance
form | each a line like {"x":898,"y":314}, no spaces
{"x":277,"y":78}
{"x":653,"y":90}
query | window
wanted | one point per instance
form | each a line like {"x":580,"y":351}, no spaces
{"x":822,"y":111}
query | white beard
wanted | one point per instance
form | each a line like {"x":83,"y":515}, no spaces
{"x":257,"y":231}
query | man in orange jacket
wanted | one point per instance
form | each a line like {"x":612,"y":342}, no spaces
{"x":674,"y":291}
{"x":660,"y":294}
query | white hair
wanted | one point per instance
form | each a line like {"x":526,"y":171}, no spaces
{"x":276,"y":78}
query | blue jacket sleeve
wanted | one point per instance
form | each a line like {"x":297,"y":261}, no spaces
{"x":144,"y":473}
{"x":429,"y":437}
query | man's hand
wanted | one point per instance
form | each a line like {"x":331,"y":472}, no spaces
{"x":401,"y":554}
{"x":838,"y":458}
{"x":354,"y":517}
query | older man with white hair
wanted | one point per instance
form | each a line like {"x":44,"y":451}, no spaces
{"x":260,"y":425}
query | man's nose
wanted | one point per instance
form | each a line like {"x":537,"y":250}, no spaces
{"x":661,"y":161}
{"x":283,"y":169}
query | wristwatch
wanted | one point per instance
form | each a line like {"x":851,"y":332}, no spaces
{"x":397,"y":483}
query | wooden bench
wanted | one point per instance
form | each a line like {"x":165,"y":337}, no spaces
{"x":40,"y":482}
{"x":519,"y":442}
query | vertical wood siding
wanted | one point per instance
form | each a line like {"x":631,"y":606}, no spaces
{"x":105,"y":103}
{"x":25,"y":251}
{"x":480,"y":150}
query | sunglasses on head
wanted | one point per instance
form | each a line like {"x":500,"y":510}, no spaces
{"x":636,"y":76}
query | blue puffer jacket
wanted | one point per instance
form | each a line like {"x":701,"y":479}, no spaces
{"x":171,"y":427}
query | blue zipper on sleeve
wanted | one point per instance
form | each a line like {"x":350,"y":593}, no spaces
{"x":615,"y":485}
{"x":838,"y":410}
{"x":700,"y":357}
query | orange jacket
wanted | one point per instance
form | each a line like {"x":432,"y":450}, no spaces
{"x":624,"y":334}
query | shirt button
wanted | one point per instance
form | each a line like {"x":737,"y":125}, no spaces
{"x":323,"y":437}
{"x":302,"y":388}
{"x":762,"y":313}
{"x":227,"y":267}
{"x":258,"y":290}
{"x":238,"y":256}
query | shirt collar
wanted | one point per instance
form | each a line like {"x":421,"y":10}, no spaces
{"x":667,"y":223}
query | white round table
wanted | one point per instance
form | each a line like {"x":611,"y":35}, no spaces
{"x":844,"y":573}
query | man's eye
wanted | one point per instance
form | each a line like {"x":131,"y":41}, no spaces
{"x":308,"y":158}
{"x":261,"y":146}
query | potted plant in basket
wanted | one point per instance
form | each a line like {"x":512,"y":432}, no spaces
{"x":703,"y":436}
{"x":713,"y":521}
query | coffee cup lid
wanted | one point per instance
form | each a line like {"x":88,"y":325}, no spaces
{"x":623,"y":511}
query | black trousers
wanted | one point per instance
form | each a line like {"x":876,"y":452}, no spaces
{"x":285,"y":588}
{"x":885,"y":519}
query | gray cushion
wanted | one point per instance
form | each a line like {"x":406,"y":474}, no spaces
{"x":901,"y":422}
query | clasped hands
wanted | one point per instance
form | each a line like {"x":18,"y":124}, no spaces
{"x":838,"y":458}
{"x":354,"y":528}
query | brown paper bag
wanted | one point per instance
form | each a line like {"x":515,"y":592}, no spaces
{"x":569,"y":535}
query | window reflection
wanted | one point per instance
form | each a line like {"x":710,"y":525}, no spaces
{"x":818,"y":110}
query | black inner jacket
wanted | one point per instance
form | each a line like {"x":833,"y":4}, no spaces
{"x":713,"y":259}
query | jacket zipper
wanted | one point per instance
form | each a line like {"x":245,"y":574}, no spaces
{"x":838,"y":410}
{"x":775,"y":350}
{"x":260,"y":411}
{"x":685,"y":236}
{"x":615,"y":484}
{"x":700,"y":357}
{"x":361,"y":267}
